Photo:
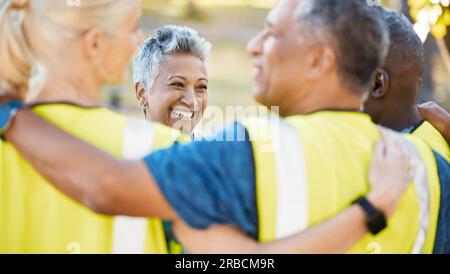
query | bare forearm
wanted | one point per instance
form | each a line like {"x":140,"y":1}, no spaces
{"x":337,"y":235}
{"x":85,"y":173}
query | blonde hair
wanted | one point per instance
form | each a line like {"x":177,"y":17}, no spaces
{"x":31,"y":29}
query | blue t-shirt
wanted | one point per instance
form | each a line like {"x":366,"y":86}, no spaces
{"x":210,"y":181}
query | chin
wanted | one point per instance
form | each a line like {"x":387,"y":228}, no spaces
{"x":260,"y":96}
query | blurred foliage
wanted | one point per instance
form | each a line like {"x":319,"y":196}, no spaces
{"x":152,"y":4}
{"x":433,"y":13}
{"x":229,"y":25}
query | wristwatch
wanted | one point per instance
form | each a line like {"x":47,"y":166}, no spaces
{"x":375,"y":219}
{"x":7,"y":113}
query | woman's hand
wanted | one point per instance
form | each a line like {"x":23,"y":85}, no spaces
{"x":391,"y":173}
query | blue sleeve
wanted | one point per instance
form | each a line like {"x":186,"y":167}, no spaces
{"x":442,"y":241}
{"x":210,"y":181}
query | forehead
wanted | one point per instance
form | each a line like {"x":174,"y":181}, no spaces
{"x":283,"y":12}
{"x":185,"y":65}
{"x":132,"y":13}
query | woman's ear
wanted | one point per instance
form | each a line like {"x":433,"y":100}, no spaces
{"x":140,"y":94}
{"x":92,"y":42}
{"x":380,"y":84}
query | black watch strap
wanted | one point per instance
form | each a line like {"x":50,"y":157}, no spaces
{"x":375,"y":219}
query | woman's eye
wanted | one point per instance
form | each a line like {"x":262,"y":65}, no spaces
{"x":178,"y":85}
{"x":202,"y":88}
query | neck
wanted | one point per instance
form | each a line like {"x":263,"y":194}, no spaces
{"x":344,"y":100}
{"x":398,"y":119}
{"x":82,"y":91}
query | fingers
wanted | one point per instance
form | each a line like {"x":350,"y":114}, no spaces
{"x":437,"y":116}
{"x":392,"y":148}
{"x":386,"y":140}
{"x":390,"y":174}
{"x":379,"y":152}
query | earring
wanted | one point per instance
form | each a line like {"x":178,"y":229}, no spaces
{"x":144,"y":110}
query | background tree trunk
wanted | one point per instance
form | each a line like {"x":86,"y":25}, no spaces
{"x":192,"y":10}
{"x":430,"y":47}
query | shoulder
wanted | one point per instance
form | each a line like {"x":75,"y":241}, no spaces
{"x":428,"y":134}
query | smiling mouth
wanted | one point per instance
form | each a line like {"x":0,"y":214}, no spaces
{"x":257,"y":71}
{"x":182,"y":114}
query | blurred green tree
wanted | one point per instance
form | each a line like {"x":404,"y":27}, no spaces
{"x":433,"y":16}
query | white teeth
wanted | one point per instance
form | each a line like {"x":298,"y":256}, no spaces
{"x":182,"y":114}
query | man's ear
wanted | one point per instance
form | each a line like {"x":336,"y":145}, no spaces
{"x":92,"y":42}
{"x":322,"y":59}
{"x":380,"y":84}
{"x":140,"y":93}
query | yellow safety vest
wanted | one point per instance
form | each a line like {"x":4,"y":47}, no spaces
{"x":434,"y":139}
{"x":310,"y":168}
{"x":37,"y":218}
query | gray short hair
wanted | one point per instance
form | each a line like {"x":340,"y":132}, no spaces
{"x":167,"y":40}
{"x":357,"y":31}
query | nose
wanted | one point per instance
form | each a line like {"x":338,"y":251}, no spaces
{"x":255,"y":45}
{"x":189,"y":99}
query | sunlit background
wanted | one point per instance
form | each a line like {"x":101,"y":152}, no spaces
{"x":229,"y":24}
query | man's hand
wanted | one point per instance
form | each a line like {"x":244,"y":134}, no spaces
{"x":438,"y":117}
{"x":390,"y":174}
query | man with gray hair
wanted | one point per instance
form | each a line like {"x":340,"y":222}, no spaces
{"x":315,"y":60}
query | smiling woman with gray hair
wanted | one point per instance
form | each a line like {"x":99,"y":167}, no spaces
{"x":170,"y":76}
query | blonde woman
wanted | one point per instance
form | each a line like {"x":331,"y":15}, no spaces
{"x":58,"y":57}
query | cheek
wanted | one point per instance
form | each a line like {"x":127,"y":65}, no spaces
{"x":164,"y":99}
{"x":123,"y":52}
{"x":126,"y":54}
{"x":270,"y":49}
{"x":203,"y":101}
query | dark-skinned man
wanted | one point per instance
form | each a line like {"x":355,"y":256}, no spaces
{"x":316,"y":64}
{"x":393,"y":100}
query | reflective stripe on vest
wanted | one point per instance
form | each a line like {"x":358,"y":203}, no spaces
{"x":129,"y":232}
{"x":421,"y":185}
{"x":292,"y":192}
{"x":327,"y":155}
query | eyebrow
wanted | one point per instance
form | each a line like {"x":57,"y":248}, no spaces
{"x":176,"y":76}
{"x":184,"y":78}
